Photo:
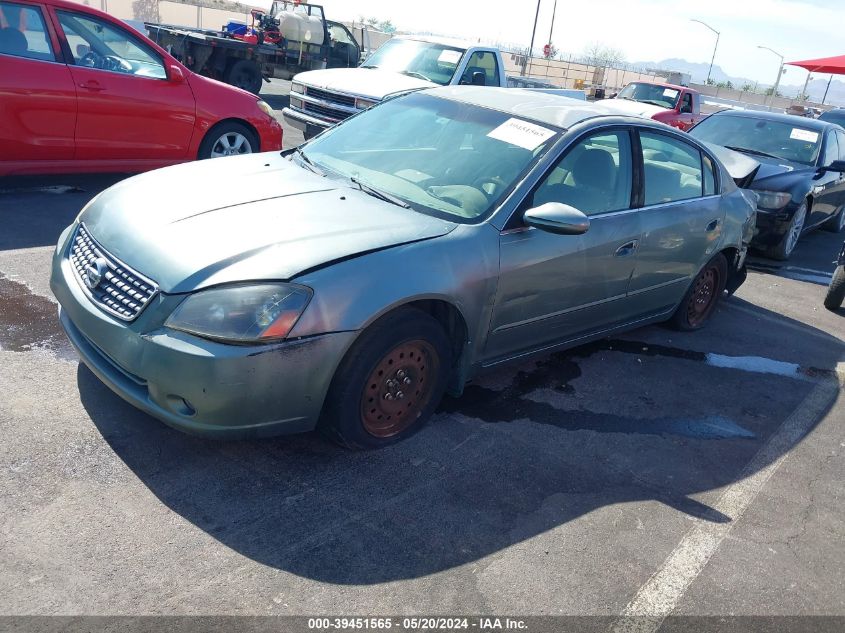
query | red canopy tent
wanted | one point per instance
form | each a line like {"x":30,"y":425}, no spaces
{"x":833,"y":65}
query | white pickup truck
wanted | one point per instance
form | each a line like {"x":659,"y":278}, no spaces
{"x":322,"y":98}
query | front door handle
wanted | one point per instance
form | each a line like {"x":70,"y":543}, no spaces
{"x":712,"y":226}
{"x":628,"y":248}
{"x":92,"y":85}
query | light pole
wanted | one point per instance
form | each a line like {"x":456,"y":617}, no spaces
{"x":780,"y":72}
{"x":552,"y":27}
{"x":533,"y":33}
{"x":712,"y":59}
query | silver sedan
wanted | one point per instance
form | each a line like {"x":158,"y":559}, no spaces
{"x":349,"y":283}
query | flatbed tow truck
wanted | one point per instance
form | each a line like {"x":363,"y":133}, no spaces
{"x":290,"y":38}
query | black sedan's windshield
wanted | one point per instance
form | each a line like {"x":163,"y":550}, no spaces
{"x":651,"y":93}
{"x":439,"y":156}
{"x":761,"y":137}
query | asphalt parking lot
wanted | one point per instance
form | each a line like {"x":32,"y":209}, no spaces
{"x":655,"y":474}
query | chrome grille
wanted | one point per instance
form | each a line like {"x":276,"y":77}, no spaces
{"x":120,"y":291}
{"x":325,"y":113}
{"x":330,"y":96}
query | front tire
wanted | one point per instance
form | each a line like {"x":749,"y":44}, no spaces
{"x":783,"y":250}
{"x":836,"y":291}
{"x":229,"y":138}
{"x":702,"y":296}
{"x":389,"y":383}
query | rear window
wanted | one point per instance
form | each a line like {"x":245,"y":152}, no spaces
{"x":833,"y":116}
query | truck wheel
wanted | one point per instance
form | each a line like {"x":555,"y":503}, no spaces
{"x":245,"y":74}
{"x":229,"y":138}
{"x":784,"y":248}
{"x":389,"y":383}
{"x":836,"y":291}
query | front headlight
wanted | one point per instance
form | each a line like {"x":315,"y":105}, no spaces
{"x":773,"y":200}
{"x":295,"y":87}
{"x":265,"y":108}
{"x":260,"y":313}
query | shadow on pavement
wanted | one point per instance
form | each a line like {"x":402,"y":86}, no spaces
{"x":527,"y":450}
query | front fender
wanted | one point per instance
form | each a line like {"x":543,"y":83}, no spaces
{"x":460,"y":268}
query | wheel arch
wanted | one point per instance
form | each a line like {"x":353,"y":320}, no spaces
{"x":222,"y":122}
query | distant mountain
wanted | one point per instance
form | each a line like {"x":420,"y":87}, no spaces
{"x":698,"y":71}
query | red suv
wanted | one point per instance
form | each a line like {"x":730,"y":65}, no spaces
{"x":82,"y":91}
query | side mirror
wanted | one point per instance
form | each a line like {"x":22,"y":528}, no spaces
{"x":479,"y":79}
{"x":554,"y":217}
{"x":837,"y":165}
{"x":175,"y":74}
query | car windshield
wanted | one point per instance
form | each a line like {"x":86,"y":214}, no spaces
{"x":424,"y":60}
{"x":651,"y":93}
{"x":761,"y":137}
{"x":441,"y":157}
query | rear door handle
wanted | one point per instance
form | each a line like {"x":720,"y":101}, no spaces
{"x":92,"y":85}
{"x":629,"y":248}
{"x":712,"y":226}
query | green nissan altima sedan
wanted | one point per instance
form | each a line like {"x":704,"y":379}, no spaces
{"x":347,"y":284}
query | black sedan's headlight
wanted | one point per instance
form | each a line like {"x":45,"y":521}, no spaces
{"x":254,"y":313}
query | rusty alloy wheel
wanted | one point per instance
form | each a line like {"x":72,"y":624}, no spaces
{"x":399,"y":388}
{"x":704,"y":295}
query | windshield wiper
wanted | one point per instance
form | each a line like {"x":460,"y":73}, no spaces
{"x":308,"y":162}
{"x":755,"y":152}
{"x":368,"y":66}
{"x":656,"y":103}
{"x":381,"y":195}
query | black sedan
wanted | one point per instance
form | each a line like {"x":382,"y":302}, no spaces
{"x":801,"y":179}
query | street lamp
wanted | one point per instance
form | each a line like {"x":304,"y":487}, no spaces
{"x":712,"y":59}
{"x":780,"y":72}
{"x":533,"y":33}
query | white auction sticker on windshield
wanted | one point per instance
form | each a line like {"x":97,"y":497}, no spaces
{"x":521,"y":133}
{"x":448,"y":56}
{"x":669,"y":92}
{"x":804,"y":135}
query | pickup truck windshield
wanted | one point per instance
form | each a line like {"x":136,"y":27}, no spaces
{"x":761,"y":137}
{"x":441,"y":157}
{"x":423,"y":60}
{"x":651,"y":93}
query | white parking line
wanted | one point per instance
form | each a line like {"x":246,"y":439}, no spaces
{"x":659,"y":596}
{"x":756,"y":364}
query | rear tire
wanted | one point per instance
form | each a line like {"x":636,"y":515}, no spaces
{"x":783,"y":250}
{"x":703,"y":295}
{"x":836,"y":291}
{"x":245,"y":74}
{"x":389,"y":383}
{"x":836,"y":224}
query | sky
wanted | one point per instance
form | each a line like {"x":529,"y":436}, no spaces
{"x":645,"y":30}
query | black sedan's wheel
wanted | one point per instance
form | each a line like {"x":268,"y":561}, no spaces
{"x":836,"y":224}
{"x":836,"y":290}
{"x":784,"y":248}
{"x":229,"y":138}
{"x":702,"y":296}
{"x":390,"y":381}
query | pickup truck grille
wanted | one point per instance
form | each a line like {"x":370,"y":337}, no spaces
{"x":330,"y":96}
{"x":118,"y":290}
{"x":325,"y":112}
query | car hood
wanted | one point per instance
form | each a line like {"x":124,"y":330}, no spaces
{"x":374,"y":83}
{"x":634,"y":108}
{"x":244,"y":218}
{"x":777,"y":174}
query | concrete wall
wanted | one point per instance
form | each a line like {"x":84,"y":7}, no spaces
{"x":569,"y":74}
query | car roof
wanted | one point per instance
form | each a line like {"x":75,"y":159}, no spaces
{"x":444,"y":41}
{"x":810,"y":124}
{"x":552,"y":109}
{"x":663,"y":84}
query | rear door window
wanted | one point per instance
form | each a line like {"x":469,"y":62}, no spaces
{"x":23,"y":32}
{"x":672,"y":169}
